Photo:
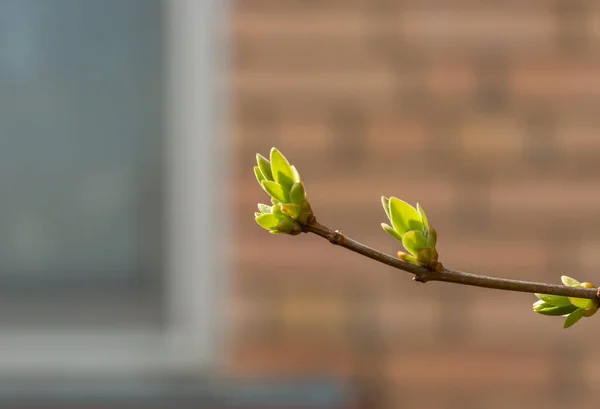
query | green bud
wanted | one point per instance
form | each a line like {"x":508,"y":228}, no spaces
{"x":591,"y":310}
{"x":289,"y":226}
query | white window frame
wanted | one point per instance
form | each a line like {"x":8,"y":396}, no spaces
{"x":197,"y":224}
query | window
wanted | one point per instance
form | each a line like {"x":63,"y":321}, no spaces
{"x":110,"y":121}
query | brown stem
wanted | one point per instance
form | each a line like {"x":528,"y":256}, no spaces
{"x":424,"y":275}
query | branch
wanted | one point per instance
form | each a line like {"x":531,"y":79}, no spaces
{"x":291,"y":213}
{"x":424,"y":275}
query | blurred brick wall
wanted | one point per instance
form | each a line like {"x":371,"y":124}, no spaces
{"x":486,"y":112}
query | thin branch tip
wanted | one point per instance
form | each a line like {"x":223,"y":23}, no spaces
{"x":440,"y":273}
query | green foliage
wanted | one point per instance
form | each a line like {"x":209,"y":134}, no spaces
{"x":572,"y":308}
{"x":411,"y":227}
{"x":281,"y":181}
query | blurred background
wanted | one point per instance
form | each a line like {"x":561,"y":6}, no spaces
{"x":132,"y":271}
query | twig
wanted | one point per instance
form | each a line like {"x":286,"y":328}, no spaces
{"x":424,"y":275}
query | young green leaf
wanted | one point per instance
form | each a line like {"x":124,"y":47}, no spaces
{"x":259,"y":175}
{"x":570,"y":282}
{"x":581,"y":302}
{"x":265,"y":166}
{"x":573,"y":317}
{"x":296,"y":174}
{"x":267,"y":221}
{"x":544,"y":308}
{"x":385,"y":202}
{"x":297,"y":193}
{"x":263,"y":208}
{"x":413,"y":241}
{"x":276,"y":191}
{"x":431,"y":238}
{"x":281,"y":168}
{"x":404,"y":217}
{"x":407,"y":257}
{"x":390,"y":230}
{"x":557,"y":300}
{"x":423,"y":218}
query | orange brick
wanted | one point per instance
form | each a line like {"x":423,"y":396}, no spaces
{"x":476,"y":254}
{"x":581,"y":137}
{"x":491,"y":137}
{"x":347,"y":24}
{"x":558,"y":198}
{"x":387,"y":134}
{"x":348,"y":83}
{"x":300,"y":55}
{"x":556,"y":80}
{"x":462,"y":366}
{"x":477,"y":28}
{"x":451,"y":80}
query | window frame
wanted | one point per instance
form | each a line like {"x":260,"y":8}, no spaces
{"x":192,"y":338}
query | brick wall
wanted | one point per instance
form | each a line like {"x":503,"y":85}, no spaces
{"x":486,"y":112}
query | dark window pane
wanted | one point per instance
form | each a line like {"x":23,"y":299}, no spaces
{"x":80,"y":139}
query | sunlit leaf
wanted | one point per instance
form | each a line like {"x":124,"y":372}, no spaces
{"x":413,"y":241}
{"x":385,"y":202}
{"x":259,"y":175}
{"x":404,"y":217}
{"x":267,"y":221}
{"x":581,"y":302}
{"x":390,"y":230}
{"x":276,"y":191}
{"x":296,"y":174}
{"x":281,"y":168}
{"x":574,"y":317}
{"x":557,"y":300}
{"x":407,"y":257}
{"x":570,"y":282}
{"x":544,"y":308}
{"x":423,"y":217}
{"x":297,"y":193}
{"x":263,"y":208}
{"x":265,"y":166}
